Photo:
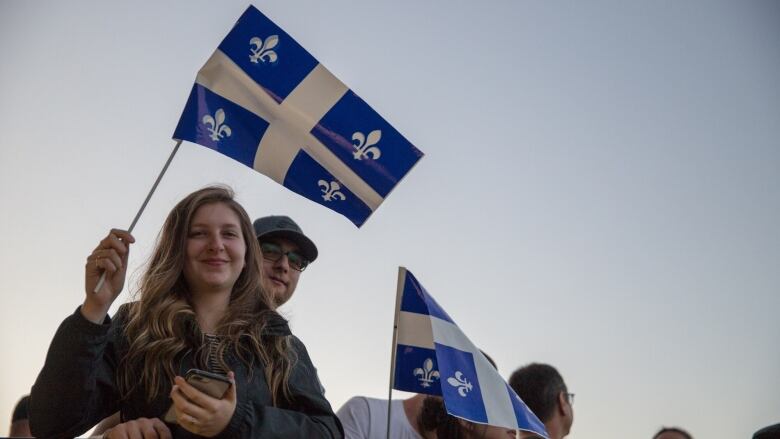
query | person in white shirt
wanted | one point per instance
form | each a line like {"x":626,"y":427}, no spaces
{"x":366,"y":418}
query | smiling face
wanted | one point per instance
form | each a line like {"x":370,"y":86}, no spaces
{"x":215,"y":250}
{"x":279,"y":278}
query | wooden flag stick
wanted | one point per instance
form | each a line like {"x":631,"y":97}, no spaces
{"x":398,"y":294}
{"x":102,"y":279}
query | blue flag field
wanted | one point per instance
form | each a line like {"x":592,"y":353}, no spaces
{"x":433,"y":356}
{"x":264,"y":101}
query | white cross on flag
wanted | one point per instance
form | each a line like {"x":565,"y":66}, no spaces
{"x":264,"y":101}
{"x":433,"y":356}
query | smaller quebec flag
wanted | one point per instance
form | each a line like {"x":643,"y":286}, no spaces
{"x":264,"y":101}
{"x":433,"y":356}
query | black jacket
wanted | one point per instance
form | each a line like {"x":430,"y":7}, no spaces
{"x":77,"y":388}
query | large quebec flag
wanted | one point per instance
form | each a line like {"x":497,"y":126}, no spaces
{"x":433,"y":356}
{"x":263,"y":100}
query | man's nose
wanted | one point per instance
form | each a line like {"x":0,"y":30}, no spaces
{"x":283,"y":262}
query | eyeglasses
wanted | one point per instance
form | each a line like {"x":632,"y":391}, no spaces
{"x":273,"y":253}
{"x":570,"y":397}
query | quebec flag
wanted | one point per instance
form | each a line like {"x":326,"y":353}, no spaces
{"x":433,"y":356}
{"x":264,"y":101}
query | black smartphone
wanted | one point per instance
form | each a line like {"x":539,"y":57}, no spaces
{"x":212,"y":384}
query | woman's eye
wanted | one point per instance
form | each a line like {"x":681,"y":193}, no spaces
{"x":196,"y":233}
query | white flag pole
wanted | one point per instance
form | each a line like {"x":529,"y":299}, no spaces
{"x":398,"y":294}
{"x":102,"y":279}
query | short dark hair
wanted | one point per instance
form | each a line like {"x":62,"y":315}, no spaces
{"x":538,"y":385}
{"x":21,"y":409}
{"x":434,"y":417}
{"x":673,"y":430}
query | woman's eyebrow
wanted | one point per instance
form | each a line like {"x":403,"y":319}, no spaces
{"x":225,"y":225}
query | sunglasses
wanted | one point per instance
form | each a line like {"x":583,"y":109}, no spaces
{"x":272,"y":252}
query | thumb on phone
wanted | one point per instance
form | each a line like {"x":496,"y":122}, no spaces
{"x":230,"y":395}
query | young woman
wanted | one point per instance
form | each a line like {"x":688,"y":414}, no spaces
{"x":200,"y":306}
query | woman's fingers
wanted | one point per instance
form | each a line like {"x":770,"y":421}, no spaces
{"x":112,"y":259}
{"x":162,"y":430}
{"x":110,"y":263}
{"x":196,"y":396}
{"x":186,"y":406}
{"x":141,"y":428}
{"x":190,"y":423}
{"x":124,"y":235}
{"x":200,"y":413}
{"x":188,"y":415}
{"x":117,"y":240}
{"x":230,"y":395}
{"x":115,"y":433}
{"x":106,"y":266}
{"x":112,"y":242}
{"x":148,"y":430}
{"x":112,"y":252}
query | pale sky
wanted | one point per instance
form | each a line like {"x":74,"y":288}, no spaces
{"x":599,"y":191}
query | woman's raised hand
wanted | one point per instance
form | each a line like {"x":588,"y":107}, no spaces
{"x":198,"y":412}
{"x":110,"y":256}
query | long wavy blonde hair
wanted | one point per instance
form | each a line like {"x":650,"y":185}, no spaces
{"x":161,"y":325}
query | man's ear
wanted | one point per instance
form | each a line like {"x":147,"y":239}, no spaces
{"x":563,"y":403}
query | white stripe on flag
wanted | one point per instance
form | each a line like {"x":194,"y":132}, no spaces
{"x":415,"y":330}
{"x":498,"y":406}
{"x":290,"y":121}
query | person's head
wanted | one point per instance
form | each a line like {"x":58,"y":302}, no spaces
{"x":434,"y":417}
{"x":542,"y":389}
{"x":20,"y":424}
{"x":206,"y":223}
{"x":206,"y":246}
{"x":768,"y":432}
{"x":672,"y":433}
{"x":286,"y":253}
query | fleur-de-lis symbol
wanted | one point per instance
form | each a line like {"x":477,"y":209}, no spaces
{"x":216,"y":125}
{"x":365,"y":147}
{"x":461,"y":383}
{"x":330,"y":190}
{"x":262,"y":49}
{"x":426,"y":373}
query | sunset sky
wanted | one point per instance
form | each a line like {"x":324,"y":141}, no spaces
{"x":600,"y":189}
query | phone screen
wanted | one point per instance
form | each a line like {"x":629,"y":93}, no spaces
{"x":211,"y":384}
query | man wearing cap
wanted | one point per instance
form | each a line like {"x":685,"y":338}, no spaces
{"x":286,"y":253}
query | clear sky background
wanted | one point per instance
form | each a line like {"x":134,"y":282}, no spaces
{"x":600,"y":189}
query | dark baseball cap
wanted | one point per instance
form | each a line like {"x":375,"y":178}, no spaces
{"x":280,"y":226}
{"x":771,"y":432}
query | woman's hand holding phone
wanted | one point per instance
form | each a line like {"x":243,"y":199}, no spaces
{"x":200,"y":413}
